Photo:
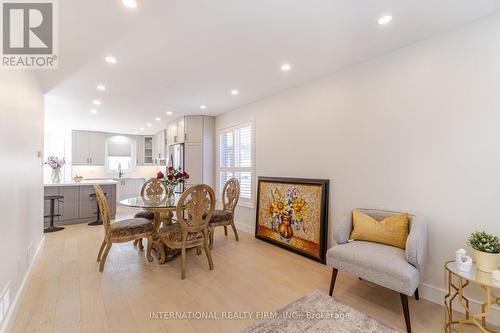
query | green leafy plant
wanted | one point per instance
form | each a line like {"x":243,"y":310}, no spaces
{"x":484,"y":242}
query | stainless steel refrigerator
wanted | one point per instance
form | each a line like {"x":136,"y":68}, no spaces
{"x":176,"y":160}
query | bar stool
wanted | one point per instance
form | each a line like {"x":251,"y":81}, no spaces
{"x":98,"y":220}
{"x":52,"y":214}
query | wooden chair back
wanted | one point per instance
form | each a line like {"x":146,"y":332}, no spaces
{"x":153,"y":187}
{"x":231,"y":195}
{"x":195,"y":208}
{"x":103,"y":207}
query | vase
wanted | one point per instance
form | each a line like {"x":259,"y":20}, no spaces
{"x":285,"y":229}
{"x":56,"y":175}
{"x":171,"y":193}
{"x":486,"y":262}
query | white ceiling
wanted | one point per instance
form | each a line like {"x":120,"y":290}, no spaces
{"x":179,"y":54}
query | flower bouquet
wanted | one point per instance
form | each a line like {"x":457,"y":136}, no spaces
{"x":173,"y":178}
{"x":56,"y":164}
{"x":287,"y":210}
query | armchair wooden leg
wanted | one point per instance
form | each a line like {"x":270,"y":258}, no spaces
{"x":406,"y":311}
{"x":332,"y":282}
{"x":417,"y":297}
{"x":140,"y":245}
{"x":225,"y":230}
{"x":211,"y":231}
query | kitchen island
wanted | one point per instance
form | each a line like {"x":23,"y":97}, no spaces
{"x":78,"y":206}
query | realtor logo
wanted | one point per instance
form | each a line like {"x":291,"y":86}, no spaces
{"x":28,"y":34}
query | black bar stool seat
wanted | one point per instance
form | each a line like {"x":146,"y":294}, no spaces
{"x":52,"y":213}
{"x":98,"y":220}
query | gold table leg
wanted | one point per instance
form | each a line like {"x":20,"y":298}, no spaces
{"x":478,"y":320}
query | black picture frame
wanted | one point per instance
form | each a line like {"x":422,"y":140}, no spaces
{"x":325,"y":191}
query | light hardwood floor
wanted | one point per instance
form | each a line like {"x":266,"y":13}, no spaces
{"x":68,"y":294}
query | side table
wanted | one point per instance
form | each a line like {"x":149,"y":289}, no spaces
{"x":457,"y":281}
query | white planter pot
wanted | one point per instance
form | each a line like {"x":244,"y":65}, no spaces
{"x":486,"y":262}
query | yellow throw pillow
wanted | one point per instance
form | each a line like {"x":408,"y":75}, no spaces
{"x":392,"y":230}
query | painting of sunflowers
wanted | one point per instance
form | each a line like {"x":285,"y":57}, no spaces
{"x":293,"y":213}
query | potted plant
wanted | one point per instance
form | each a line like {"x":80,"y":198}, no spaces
{"x":486,"y":250}
{"x":56,"y":164}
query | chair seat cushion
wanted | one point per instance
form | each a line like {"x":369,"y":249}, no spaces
{"x":173,"y":232}
{"x":381,"y":264}
{"x":131,"y":227}
{"x":145,"y":215}
{"x":221,"y":217}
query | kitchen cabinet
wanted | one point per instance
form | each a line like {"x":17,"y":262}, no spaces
{"x":88,"y":204}
{"x":88,"y":148}
{"x":97,"y":151}
{"x":128,"y":188}
{"x":198,"y":135}
{"x":80,"y":147}
{"x":139,"y":151}
{"x":77,"y":206}
{"x":193,"y":129}
{"x":148,"y":150}
{"x":193,"y":163}
{"x":160,"y":146}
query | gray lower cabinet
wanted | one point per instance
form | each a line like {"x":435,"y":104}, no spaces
{"x":77,"y":205}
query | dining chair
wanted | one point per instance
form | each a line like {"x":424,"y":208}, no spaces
{"x":120,"y":231}
{"x":153,"y":187}
{"x":194,"y":209}
{"x":225,"y":216}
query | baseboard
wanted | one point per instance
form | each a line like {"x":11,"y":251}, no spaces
{"x":436,"y":295}
{"x":16,"y":303}
{"x":245,"y":228}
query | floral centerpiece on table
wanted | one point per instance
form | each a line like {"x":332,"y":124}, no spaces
{"x":287,"y":210}
{"x":173,"y":178}
{"x":56,"y":164}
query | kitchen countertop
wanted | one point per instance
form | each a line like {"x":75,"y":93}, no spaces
{"x":85,"y":182}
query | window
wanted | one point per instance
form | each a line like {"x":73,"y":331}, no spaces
{"x":119,"y":154}
{"x":236,"y":159}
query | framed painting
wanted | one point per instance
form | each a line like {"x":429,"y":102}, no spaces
{"x":293,"y":213}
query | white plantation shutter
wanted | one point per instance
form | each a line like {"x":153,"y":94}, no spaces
{"x":235,"y":159}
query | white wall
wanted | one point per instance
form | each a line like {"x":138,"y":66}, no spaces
{"x":21,"y":191}
{"x":415,"y":130}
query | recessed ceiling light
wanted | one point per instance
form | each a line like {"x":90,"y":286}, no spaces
{"x":158,"y":119}
{"x":110,"y":60}
{"x":101,"y":87}
{"x":96,"y":102}
{"x":203,"y":107}
{"x":149,"y":124}
{"x":234,"y":92}
{"x":169,"y":113}
{"x":286,"y":67}
{"x":141,"y":129}
{"x":93,"y":111}
{"x":130,"y":3}
{"x":384,"y":19}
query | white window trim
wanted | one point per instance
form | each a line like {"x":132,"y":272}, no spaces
{"x":243,"y":203}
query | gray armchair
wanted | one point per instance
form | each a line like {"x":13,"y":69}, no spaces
{"x":387,"y":266}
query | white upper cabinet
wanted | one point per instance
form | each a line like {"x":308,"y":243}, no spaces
{"x":80,"y":147}
{"x":139,"y":150}
{"x":172,"y":132}
{"x":160,"y":146}
{"x":88,"y":148}
{"x":97,"y":151}
{"x":180,"y":130}
{"x":193,"y":126}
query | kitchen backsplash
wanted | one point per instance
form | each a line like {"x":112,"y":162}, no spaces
{"x":100,"y":172}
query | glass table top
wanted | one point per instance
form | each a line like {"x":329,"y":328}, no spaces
{"x":152,"y":202}
{"x":475,"y":275}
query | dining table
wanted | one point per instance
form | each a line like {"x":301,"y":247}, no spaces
{"x":163,"y":208}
